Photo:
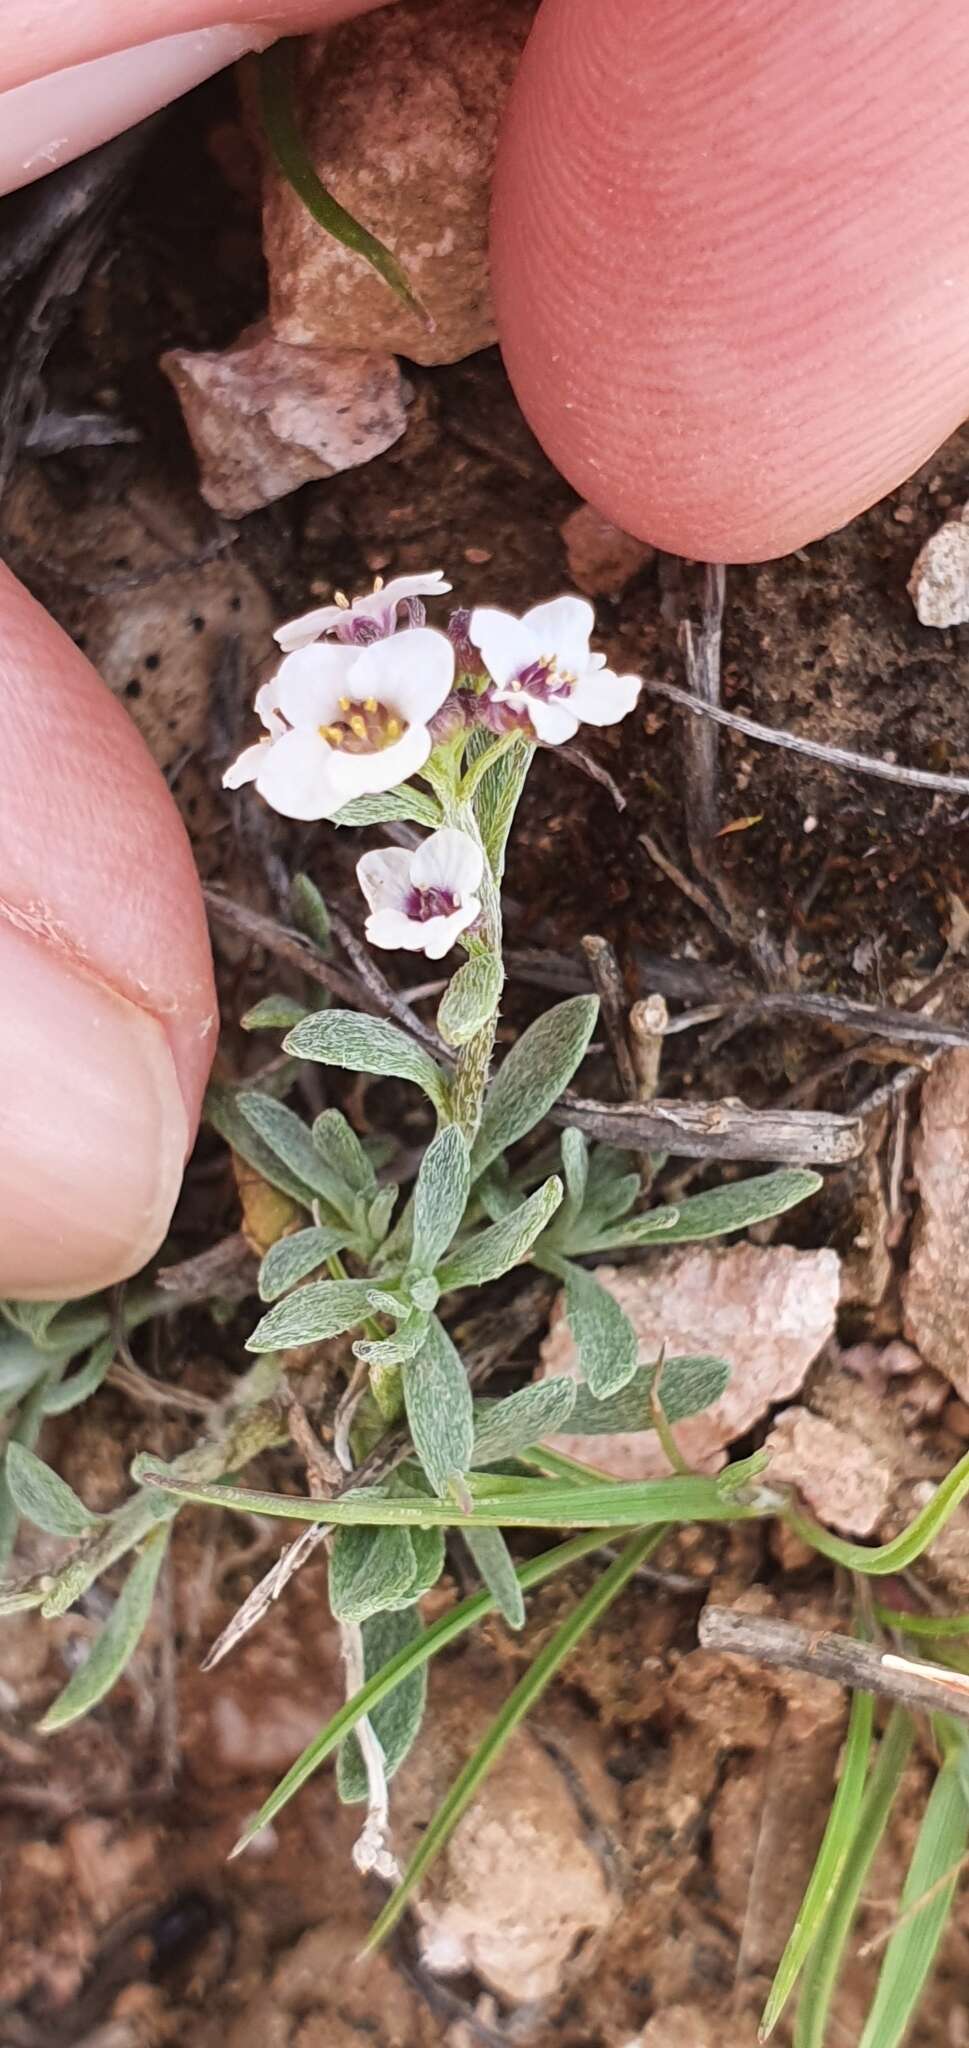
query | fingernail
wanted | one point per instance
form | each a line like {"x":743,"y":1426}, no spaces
{"x":93,"y":1131}
{"x":54,"y":119}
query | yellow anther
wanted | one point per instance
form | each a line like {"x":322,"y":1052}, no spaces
{"x":378,"y":584}
{"x":332,"y":734}
{"x":340,"y":597}
{"x":370,"y":705}
{"x":393,"y":729}
{"x":344,"y":703}
{"x":358,"y":726}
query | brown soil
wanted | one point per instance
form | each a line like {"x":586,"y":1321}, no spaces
{"x":123,"y":1925}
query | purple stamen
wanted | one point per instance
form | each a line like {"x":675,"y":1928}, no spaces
{"x":422,"y":904}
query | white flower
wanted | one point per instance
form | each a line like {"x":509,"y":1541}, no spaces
{"x":378,"y":607}
{"x":542,"y":665}
{"x":346,"y":721}
{"x":419,"y":902}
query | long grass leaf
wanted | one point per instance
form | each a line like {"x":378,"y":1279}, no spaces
{"x":830,"y":1862}
{"x":530,"y":1688}
{"x":824,"y":1962}
{"x":923,"y":1908}
{"x":461,"y":1618}
{"x":885,"y":1558}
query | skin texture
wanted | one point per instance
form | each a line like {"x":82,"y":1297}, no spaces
{"x":731,"y":256}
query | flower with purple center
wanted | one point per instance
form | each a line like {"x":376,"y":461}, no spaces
{"x":543,"y":669}
{"x":371,"y":617}
{"x":420,"y":902}
{"x":346,"y":721}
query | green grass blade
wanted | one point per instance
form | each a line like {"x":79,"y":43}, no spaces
{"x":276,"y":76}
{"x":938,"y":1628}
{"x":548,"y":1662}
{"x":521,"y":1504}
{"x":824,"y":1962}
{"x":932,"y":1877}
{"x":831,"y":1860}
{"x":884,"y":1558}
{"x":461,"y":1618}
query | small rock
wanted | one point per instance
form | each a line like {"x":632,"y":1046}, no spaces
{"x":399,"y":111}
{"x":265,"y":418}
{"x":939,"y":583}
{"x":833,"y":1470}
{"x":935,"y":1292}
{"x":767,"y":1310}
{"x":602,"y":558}
{"x":878,"y":1363}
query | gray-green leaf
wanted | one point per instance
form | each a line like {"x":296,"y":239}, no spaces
{"x":309,"y":912}
{"x":66,"y":1394}
{"x":503,"y":1428}
{"x":712,"y":1214}
{"x":290,"y":1259}
{"x":369,"y":1571}
{"x":494,"y":1561}
{"x":391,"y":807}
{"x":291,"y":1141}
{"x":397,"y":1719}
{"x":44,"y":1497}
{"x":117,"y":1642}
{"x":368,"y":1045}
{"x":221,"y":1110}
{"x":407,"y":1340}
{"x":440,"y":1197}
{"x":533,"y":1076}
{"x":322,"y":1309}
{"x":496,"y":795}
{"x":604,"y":1336}
{"x":470,"y":999}
{"x":437,"y":1398}
{"x":338,"y":1145}
{"x":274,"y":1013}
{"x":493,"y":1251}
{"x":687,"y":1387}
{"x":575,"y":1169}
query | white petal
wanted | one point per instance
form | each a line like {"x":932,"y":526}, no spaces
{"x":412,"y":672}
{"x":602,"y":698}
{"x":267,"y":708}
{"x":295,"y":776}
{"x":247,"y":765}
{"x":440,"y":933}
{"x":310,"y":683}
{"x":385,"y":877}
{"x":562,"y":628}
{"x":366,"y":774}
{"x":506,"y":644}
{"x":392,"y":929}
{"x":299,"y":632}
{"x":554,"y":719}
{"x":448,"y":860}
{"x":380,"y":603}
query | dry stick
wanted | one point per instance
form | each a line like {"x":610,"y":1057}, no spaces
{"x":836,"y":757}
{"x":900,"y":1027}
{"x":697,"y":1130}
{"x":701,"y":777}
{"x":649,"y":1022}
{"x":921,"y":1687}
{"x":609,"y":986}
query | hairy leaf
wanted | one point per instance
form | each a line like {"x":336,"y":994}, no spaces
{"x":117,"y":1642}
{"x":289,"y":1138}
{"x":437,"y":1398}
{"x":496,"y":1567}
{"x":44,"y":1497}
{"x":324,"y":1308}
{"x":309,"y":912}
{"x":503,"y":1428}
{"x":273,"y":1013}
{"x":533,"y":1076}
{"x":687,"y":1387}
{"x":221,"y":1110}
{"x":62,"y":1395}
{"x":604,"y":1336}
{"x":369,"y":1571}
{"x":391,"y":807}
{"x":440,"y":1197}
{"x":368,"y":1045}
{"x":338,"y":1145}
{"x":470,"y":999}
{"x":495,"y":1250}
{"x":713,"y":1214}
{"x":291,"y":1258}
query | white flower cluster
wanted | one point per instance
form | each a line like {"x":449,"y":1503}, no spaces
{"x":349,"y":713}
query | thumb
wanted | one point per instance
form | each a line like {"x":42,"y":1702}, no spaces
{"x":70,"y":77}
{"x":731,"y":259}
{"x":107,"y":1017}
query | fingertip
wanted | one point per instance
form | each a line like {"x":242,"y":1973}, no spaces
{"x":93,"y":1127}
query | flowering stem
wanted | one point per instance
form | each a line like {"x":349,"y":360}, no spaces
{"x":474,"y":1058}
